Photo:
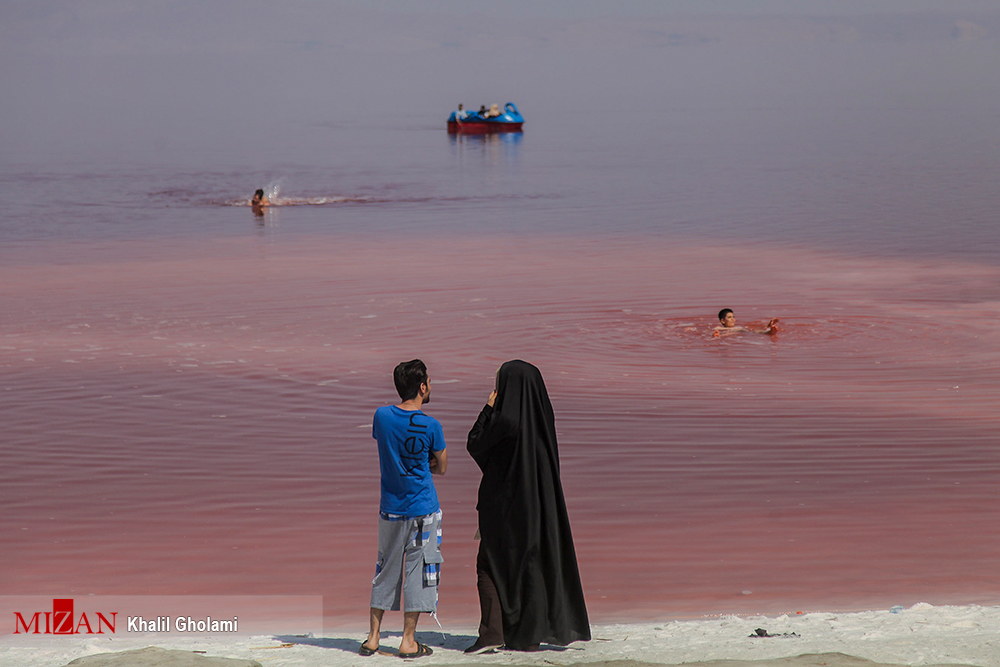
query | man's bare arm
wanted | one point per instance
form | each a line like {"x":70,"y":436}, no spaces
{"x":439,"y":462}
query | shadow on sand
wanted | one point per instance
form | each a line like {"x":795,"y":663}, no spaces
{"x":390,"y":642}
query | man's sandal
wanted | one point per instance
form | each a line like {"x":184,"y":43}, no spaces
{"x":422,"y":650}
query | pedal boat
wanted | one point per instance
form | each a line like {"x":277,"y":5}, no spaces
{"x":510,"y":120}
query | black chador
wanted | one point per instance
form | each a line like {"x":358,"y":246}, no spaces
{"x":526,"y":561}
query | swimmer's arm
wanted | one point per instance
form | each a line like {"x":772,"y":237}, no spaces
{"x":771,"y":328}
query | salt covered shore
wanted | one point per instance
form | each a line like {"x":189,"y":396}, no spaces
{"x":920,"y":635}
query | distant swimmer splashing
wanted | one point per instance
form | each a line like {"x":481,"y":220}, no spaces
{"x":265,"y":197}
{"x":259,"y":202}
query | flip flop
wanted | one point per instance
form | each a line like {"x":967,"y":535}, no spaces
{"x":422,"y":650}
{"x":365,"y":651}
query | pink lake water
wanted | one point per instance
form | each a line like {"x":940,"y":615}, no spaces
{"x":195,"y":418}
{"x":187,"y":389}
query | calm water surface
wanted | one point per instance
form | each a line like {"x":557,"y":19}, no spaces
{"x":187,"y":390}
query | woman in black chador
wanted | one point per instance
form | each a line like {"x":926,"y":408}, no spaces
{"x":529,"y":583}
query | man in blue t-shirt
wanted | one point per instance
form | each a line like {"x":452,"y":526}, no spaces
{"x":410,"y":449}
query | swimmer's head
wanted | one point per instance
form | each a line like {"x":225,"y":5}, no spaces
{"x":727,"y":318}
{"x":259,"y":194}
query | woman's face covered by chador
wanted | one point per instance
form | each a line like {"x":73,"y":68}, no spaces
{"x":523,"y":404}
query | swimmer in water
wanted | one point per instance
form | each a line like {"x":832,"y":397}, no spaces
{"x":727,"y":325}
{"x":259,"y":202}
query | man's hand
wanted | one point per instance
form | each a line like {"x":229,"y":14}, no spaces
{"x":492,"y":399}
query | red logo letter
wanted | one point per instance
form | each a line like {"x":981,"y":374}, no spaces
{"x":110,"y":624}
{"x":62,"y":616}
{"x":26,"y":626}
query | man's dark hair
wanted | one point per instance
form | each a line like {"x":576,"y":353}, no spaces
{"x":408,"y":377}
{"x":724,"y":312}
{"x":259,"y":193}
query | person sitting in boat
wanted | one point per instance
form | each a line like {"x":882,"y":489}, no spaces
{"x":259,"y":201}
{"x":494,"y":111}
{"x":461,"y":114}
{"x":483,"y":113}
{"x":727,"y":325}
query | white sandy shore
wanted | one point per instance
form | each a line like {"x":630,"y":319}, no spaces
{"x":920,"y":635}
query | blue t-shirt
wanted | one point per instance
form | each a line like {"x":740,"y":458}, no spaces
{"x":406,"y":439}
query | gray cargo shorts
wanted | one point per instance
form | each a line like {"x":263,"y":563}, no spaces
{"x":409,"y":562}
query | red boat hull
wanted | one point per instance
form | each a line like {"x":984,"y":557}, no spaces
{"x":482,"y":127}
